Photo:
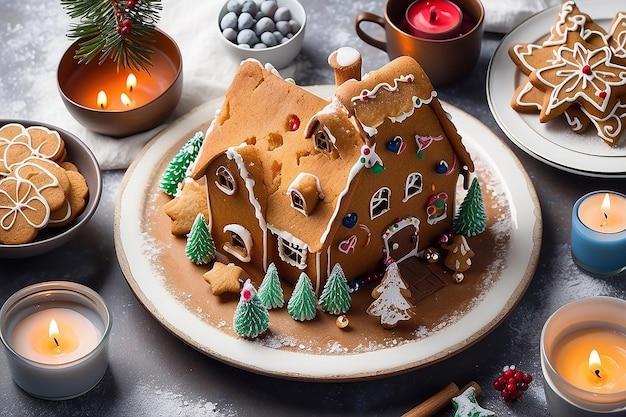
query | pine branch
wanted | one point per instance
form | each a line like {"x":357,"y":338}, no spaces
{"x":121,"y":30}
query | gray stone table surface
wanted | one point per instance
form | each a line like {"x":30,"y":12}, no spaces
{"x":152,"y":373}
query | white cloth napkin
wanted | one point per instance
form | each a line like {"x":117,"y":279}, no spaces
{"x":503,"y":15}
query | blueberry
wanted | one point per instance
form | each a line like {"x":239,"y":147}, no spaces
{"x":260,"y":45}
{"x":283,"y":27}
{"x":230,"y":34}
{"x":269,"y":39}
{"x":233,"y":6}
{"x":247,"y":37}
{"x":282,"y":14}
{"x":229,"y":21}
{"x":265,"y":24}
{"x":249,"y":6}
{"x":295,"y":25}
{"x":269,"y":7}
{"x":245,"y":21}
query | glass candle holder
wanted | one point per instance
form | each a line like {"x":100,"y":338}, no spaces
{"x":56,"y":337}
{"x":583,"y":358}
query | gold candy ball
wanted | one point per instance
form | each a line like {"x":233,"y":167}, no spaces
{"x":342,"y":322}
{"x":431,"y":255}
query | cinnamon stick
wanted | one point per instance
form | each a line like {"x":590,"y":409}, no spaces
{"x":440,"y":400}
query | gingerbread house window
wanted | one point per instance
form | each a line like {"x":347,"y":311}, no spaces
{"x":305,"y":192}
{"x":240,"y":243}
{"x":379,"y":204}
{"x":225,"y":180}
{"x":414,"y":185}
{"x":292,"y":251}
{"x":322,"y":141}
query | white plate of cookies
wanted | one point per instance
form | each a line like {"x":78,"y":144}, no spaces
{"x":50,"y":186}
{"x":573,"y":142}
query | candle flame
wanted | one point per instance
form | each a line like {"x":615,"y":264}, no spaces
{"x":605,"y":207}
{"x":125,"y":99}
{"x":595,"y":364}
{"x":102,"y":99}
{"x":53,"y":331}
{"x":131,"y":82}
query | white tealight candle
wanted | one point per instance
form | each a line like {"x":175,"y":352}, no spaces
{"x":56,"y":337}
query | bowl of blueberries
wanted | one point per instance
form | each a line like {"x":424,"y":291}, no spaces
{"x":270,"y":31}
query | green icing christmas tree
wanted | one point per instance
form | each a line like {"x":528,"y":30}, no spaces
{"x":335,"y":297}
{"x":270,"y":291}
{"x":176,"y":170}
{"x":200,"y":247}
{"x":471,"y":218}
{"x":301,"y":305}
{"x":251,"y":317}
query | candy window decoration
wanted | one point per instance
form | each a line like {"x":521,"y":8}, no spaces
{"x":322,"y":141}
{"x":380,"y":202}
{"x":414,"y":185}
{"x":225,"y":181}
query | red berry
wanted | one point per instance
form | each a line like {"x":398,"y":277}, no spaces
{"x":119,"y":29}
{"x":499,"y":383}
{"x":130,"y":4}
{"x":511,"y":387}
{"x":127,"y":22}
{"x":125,"y":31}
{"x":528,"y":378}
{"x":508,"y":373}
{"x":506,"y":395}
{"x":522,"y":386}
{"x":518,"y":376}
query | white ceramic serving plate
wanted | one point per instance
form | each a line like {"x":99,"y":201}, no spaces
{"x":553,"y":143}
{"x":144,"y":275}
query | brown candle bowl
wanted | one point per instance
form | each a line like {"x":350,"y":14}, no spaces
{"x":120,"y":123}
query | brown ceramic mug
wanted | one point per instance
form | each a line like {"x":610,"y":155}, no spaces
{"x":444,"y":60}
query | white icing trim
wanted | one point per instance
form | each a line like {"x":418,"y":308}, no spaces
{"x":370,"y":94}
{"x":245,"y":236}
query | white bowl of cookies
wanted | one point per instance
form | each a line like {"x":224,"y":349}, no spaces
{"x":50,"y":186}
{"x":270,"y":31}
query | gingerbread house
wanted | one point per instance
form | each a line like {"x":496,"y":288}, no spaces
{"x":306,"y":183}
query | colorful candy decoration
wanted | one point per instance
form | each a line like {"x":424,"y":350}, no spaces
{"x":437,"y":207}
{"x":396,"y":145}
{"x":371,"y":160}
{"x":368,"y":233}
{"x":293,"y":123}
{"x":360,"y":282}
{"x":424,"y":142}
{"x":350,"y":220}
{"x":512,"y":383}
{"x":347,"y":246}
{"x":442,"y":167}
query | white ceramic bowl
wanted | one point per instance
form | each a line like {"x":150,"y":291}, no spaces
{"x":51,"y":238}
{"x":280,"y":55}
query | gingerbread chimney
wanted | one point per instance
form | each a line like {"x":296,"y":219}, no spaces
{"x":346,"y":62}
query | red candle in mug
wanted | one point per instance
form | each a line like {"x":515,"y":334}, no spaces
{"x":434,"y":19}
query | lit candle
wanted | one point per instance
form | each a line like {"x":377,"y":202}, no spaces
{"x":102,"y":99}
{"x":434,"y":19}
{"x":132,"y":101}
{"x":583,"y":358}
{"x":56,"y":336}
{"x":131,"y":82}
{"x":598,"y":234}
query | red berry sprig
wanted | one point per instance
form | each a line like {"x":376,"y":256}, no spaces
{"x":512,"y":383}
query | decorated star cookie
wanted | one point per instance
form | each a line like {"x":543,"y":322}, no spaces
{"x":466,"y":405}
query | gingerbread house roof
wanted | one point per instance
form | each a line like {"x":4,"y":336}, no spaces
{"x":264,"y":126}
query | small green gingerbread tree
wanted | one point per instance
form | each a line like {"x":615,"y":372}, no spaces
{"x":302,"y":305}
{"x":270,"y":291}
{"x":200,"y":247}
{"x":335,"y":297}
{"x":251,"y":318}
{"x":471,"y":218}
{"x":176,"y":170}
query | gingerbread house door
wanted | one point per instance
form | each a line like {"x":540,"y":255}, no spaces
{"x":401,"y":239}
